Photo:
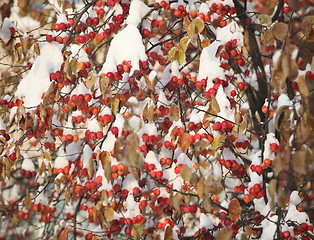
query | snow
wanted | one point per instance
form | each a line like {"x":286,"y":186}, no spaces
{"x":269,"y":228}
{"x":152,"y":159}
{"x":135,"y":123}
{"x":294,"y":215}
{"x":224,"y":105}
{"x":295,"y":198}
{"x":49,"y":61}
{"x":87,"y":154}
{"x":210,"y":65}
{"x":5,"y":33}
{"x":230,"y":32}
{"x":78,"y":53}
{"x":28,"y":165}
{"x":205,"y":222}
{"x":2,"y":125}
{"x":73,"y":150}
{"x":138,"y":10}
{"x":283,"y":100}
{"x":134,"y":50}
{"x":61,"y":161}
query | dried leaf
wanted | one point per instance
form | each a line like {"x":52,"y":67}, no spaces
{"x":47,"y":155}
{"x":184,"y":141}
{"x":90,"y":82}
{"x":67,"y":195}
{"x":267,"y":37}
{"x":64,"y":234}
{"x":224,"y":235}
{"x":200,"y":187}
{"x":174,"y":112}
{"x":36,"y":48}
{"x":304,"y":90}
{"x":191,"y":30}
{"x":168,"y":233}
{"x":148,"y":112}
{"x":302,"y":160}
{"x":104,"y":157}
{"x":280,"y":30}
{"x":103,"y":84}
{"x":118,"y":149}
{"x":27,"y":201}
{"x":234,"y":209}
{"x":213,"y":106}
{"x":90,"y":168}
{"x":205,"y":43}
{"x":186,"y":173}
{"x":265,"y":19}
{"x":176,"y":202}
{"x":130,"y":151}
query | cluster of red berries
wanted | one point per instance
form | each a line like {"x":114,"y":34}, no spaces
{"x":223,"y":127}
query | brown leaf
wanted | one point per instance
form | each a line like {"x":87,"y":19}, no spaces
{"x":104,"y":157}
{"x":130,"y":151}
{"x":200,"y":187}
{"x":267,"y":37}
{"x":90,"y":82}
{"x":184,"y":141}
{"x":213,"y":106}
{"x":176,"y":202}
{"x":27,"y":201}
{"x":205,"y":43}
{"x":280,"y":30}
{"x":118,"y":149}
{"x":199,"y":25}
{"x":148,"y":112}
{"x":174,"y":112}
{"x":304,"y":90}
{"x":302,"y":160}
{"x":64,"y":234}
{"x":103,"y":84}
{"x":224,"y":234}
{"x":234,"y":209}
{"x":168,"y":233}
{"x":90,"y":168}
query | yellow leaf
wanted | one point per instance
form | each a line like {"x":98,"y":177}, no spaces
{"x":138,"y":231}
{"x":199,"y":25}
{"x":191,"y":30}
{"x":47,"y":155}
{"x":115,"y":105}
{"x":108,"y":214}
{"x":234,"y":210}
{"x":171,"y":54}
{"x":218,"y":142}
{"x":180,"y":56}
{"x":183,"y":44}
{"x":184,"y":141}
{"x":174,"y":112}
